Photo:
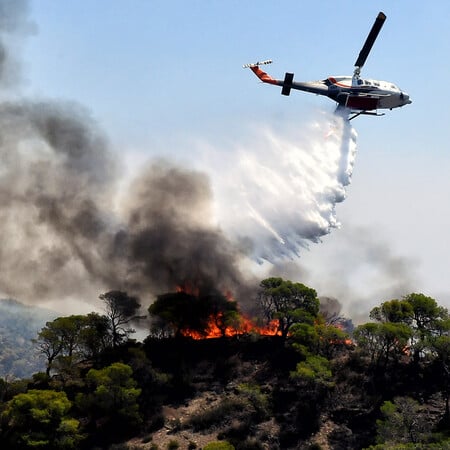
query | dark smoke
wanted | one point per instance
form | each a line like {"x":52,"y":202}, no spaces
{"x":55,"y":194}
{"x":169,"y":237}
{"x":61,"y":234}
{"x":64,"y":236}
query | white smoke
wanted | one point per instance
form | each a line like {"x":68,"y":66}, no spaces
{"x":279,"y":193}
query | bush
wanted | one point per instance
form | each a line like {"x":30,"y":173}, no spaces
{"x":218,"y":445}
{"x":218,"y":414}
{"x":173,"y":445}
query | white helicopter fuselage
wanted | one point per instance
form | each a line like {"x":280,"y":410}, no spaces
{"x":354,"y":94}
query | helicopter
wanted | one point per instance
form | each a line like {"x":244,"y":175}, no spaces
{"x":355,"y":95}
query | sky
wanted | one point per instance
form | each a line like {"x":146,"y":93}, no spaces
{"x":165,"y":78}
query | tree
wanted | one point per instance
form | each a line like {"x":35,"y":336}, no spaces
{"x":222,"y":311}
{"x":113,"y":395}
{"x":393,"y":311}
{"x":420,"y":313}
{"x":187,"y":313}
{"x":402,"y":422}
{"x":440,"y":346}
{"x":121,"y":309}
{"x":59,"y":339}
{"x":181,"y":311}
{"x":39,"y":419}
{"x":70,"y":339}
{"x":426,"y":312}
{"x":287,"y":303}
{"x":314,"y":371}
{"x":383,"y":341}
{"x":49,"y":343}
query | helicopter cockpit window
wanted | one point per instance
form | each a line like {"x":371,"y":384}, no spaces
{"x":360,"y":81}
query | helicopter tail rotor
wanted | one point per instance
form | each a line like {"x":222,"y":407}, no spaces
{"x":258,"y":63}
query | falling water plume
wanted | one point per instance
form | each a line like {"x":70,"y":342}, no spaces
{"x":283,"y":190}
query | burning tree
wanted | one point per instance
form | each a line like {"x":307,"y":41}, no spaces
{"x":196,"y":315}
{"x":287,"y":303}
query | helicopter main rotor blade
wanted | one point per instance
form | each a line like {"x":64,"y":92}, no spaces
{"x":364,"y":53}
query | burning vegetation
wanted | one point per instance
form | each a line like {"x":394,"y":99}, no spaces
{"x":281,"y":306}
{"x":193,"y":313}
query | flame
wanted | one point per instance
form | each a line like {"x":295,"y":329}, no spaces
{"x":347,"y":341}
{"x":217,"y":327}
{"x":243,"y":326}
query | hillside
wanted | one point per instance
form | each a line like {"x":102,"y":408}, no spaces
{"x":385,"y":386}
{"x":19,"y":324}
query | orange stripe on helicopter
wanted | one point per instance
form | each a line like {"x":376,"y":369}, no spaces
{"x":263,"y":76}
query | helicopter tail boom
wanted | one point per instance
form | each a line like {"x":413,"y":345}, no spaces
{"x":286,"y":84}
{"x":263,"y":76}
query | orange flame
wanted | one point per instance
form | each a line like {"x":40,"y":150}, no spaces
{"x":216,"y":326}
{"x":243,"y":326}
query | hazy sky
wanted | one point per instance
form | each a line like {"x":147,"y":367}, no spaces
{"x":161,"y":76}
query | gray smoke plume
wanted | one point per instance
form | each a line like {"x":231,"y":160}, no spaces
{"x":55,"y":187}
{"x":170,"y":238}
{"x":61,"y":234}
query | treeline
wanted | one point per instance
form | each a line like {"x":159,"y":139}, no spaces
{"x":385,"y":384}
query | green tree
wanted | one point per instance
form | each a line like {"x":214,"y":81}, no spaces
{"x":121,"y":309}
{"x":428,"y":318}
{"x":314,"y":371}
{"x":287,"y":303}
{"x":113,"y":396}
{"x":49,"y":343}
{"x":95,"y":337}
{"x":39,"y":419}
{"x":440,"y":346}
{"x":393,"y":311}
{"x":70,"y":339}
{"x":426,"y":312}
{"x":383,"y":341}
{"x":402,"y":422}
{"x":59,"y":339}
{"x":421,"y":313}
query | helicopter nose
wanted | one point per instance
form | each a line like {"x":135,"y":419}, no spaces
{"x":405,"y":98}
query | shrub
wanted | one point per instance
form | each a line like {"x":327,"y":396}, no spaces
{"x":218,"y":445}
{"x":218,"y":414}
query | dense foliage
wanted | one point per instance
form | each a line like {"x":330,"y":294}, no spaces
{"x":312,"y":384}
